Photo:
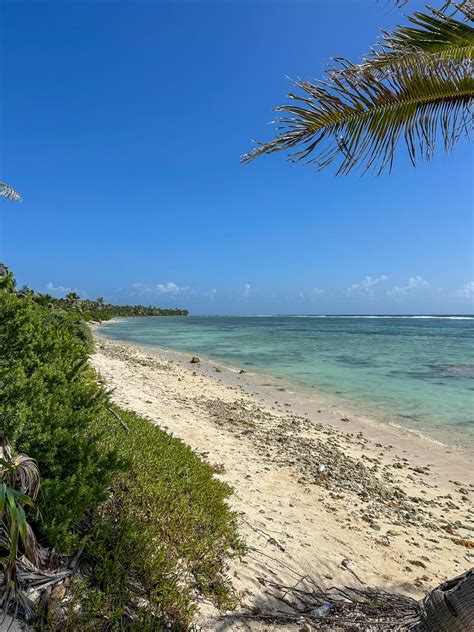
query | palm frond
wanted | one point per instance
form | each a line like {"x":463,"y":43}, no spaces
{"x":355,"y":118}
{"x":435,"y":34}
{"x":9,"y":193}
{"x":465,"y":6}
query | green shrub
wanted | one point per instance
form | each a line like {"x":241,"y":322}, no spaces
{"x":153,"y":520}
{"x":50,"y":408}
{"x":167,"y":525}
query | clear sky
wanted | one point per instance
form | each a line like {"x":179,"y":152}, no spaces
{"x":122,"y":125}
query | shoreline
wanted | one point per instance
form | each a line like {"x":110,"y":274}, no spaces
{"x":312,"y":491}
{"x":307,"y":398}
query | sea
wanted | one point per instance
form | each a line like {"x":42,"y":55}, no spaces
{"x":413,"y":371}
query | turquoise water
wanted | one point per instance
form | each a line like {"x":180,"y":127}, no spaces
{"x":417,"y":371}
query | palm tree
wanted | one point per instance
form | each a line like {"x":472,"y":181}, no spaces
{"x":416,"y":87}
{"x":72,"y":298}
{"x":7,"y":280}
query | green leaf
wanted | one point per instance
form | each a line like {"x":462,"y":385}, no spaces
{"x":6,"y":464}
{"x":3,"y":488}
{"x":22,"y":497}
{"x":21,"y":519}
{"x":435,"y":34}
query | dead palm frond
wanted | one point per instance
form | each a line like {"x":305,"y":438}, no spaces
{"x":9,"y":193}
{"x":419,"y":86}
{"x":19,"y":486}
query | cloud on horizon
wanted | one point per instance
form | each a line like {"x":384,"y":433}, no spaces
{"x":60,"y":289}
{"x":414,"y":283}
{"x":246,"y":291}
{"x":366,"y":287}
{"x":158,"y":289}
{"x":467,"y":291}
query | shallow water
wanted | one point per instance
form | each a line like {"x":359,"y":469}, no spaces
{"x":415,"y":371}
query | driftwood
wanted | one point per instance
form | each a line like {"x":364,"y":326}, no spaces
{"x":449,"y":607}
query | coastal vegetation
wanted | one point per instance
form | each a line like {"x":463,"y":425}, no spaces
{"x":93,"y":310}
{"x":415,"y":87}
{"x":145,"y":517}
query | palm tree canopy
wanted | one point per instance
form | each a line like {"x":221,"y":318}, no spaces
{"x":418,"y":86}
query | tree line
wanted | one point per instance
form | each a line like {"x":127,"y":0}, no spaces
{"x":89,"y":309}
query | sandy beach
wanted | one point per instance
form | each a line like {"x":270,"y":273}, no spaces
{"x":319,"y":491}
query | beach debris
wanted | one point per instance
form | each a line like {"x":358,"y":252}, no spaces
{"x":195,"y":360}
{"x":242,"y":371}
{"x":312,"y":607}
{"x":378,"y":498}
{"x":322,"y":611}
{"x":469,"y":544}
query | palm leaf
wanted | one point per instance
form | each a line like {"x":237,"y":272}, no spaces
{"x":435,"y":34}
{"x":357,"y":119}
{"x":9,"y":193}
{"x":462,"y":5}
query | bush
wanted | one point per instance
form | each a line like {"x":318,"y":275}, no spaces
{"x":51,"y":408}
{"x":167,"y":525}
{"x":154,"y":522}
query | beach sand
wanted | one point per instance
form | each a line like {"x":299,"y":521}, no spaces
{"x":319,"y":492}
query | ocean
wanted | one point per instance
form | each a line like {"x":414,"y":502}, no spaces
{"x":415,"y":371}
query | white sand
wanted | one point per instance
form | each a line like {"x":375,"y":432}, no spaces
{"x":293,"y":525}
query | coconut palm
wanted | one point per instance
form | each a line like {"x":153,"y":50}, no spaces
{"x":72,"y":298}
{"x":7,"y":280}
{"x":417,"y":86}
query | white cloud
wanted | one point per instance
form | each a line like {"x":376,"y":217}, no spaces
{"x":60,"y":289}
{"x":366,"y":287}
{"x":210,"y":293}
{"x":317,"y":291}
{"x":158,"y":289}
{"x":467,"y":291}
{"x":246,"y":291}
{"x":414,"y":283}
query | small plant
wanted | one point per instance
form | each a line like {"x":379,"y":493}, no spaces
{"x":19,"y":486}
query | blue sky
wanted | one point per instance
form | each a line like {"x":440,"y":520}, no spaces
{"x":122,"y":125}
